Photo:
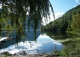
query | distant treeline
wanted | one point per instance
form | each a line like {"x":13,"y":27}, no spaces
{"x":70,"y":21}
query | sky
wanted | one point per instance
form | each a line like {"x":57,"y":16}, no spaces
{"x":62,"y":6}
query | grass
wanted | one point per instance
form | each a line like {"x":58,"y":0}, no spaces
{"x":7,"y":56}
{"x":69,"y":39}
{"x":72,"y":47}
{"x":63,"y":40}
{"x":3,"y":56}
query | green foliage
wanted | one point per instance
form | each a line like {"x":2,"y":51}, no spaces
{"x":14,"y":14}
{"x":72,"y":48}
{"x":67,"y":22}
{"x":76,"y":22}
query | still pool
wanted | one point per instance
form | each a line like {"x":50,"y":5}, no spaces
{"x":43,"y":44}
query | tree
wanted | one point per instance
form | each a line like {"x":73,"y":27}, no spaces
{"x":14,"y":13}
{"x":76,"y":22}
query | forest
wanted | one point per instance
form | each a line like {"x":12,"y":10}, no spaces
{"x":70,"y":21}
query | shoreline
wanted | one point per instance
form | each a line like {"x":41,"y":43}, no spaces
{"x":37,"y":55}
{"x":31,"y":55}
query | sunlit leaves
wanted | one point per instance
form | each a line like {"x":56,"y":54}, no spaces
{"x":14,"y":13}
{"x":76,"y":22}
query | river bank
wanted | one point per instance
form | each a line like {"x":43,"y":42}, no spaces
{"x":2,"y":55}
{"x":71,"y":47}
{"x":34,"y":55}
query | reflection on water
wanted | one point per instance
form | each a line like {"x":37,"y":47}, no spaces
{"x":43,"y":44}
{"x":61,"y":35}
{"x":29,"y":34}
{"x":29,"y":37}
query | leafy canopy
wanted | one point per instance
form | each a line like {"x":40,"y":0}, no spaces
{"x":14,"y":12}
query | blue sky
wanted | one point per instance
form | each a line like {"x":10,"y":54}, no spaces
{"x":62,"y":6}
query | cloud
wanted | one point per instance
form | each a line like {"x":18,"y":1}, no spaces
{"x":75,"y":6}
{"x":78,"y":1}
{"x":57,"y":15}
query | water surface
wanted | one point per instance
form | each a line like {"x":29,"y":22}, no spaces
{"x":43,"y":44}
